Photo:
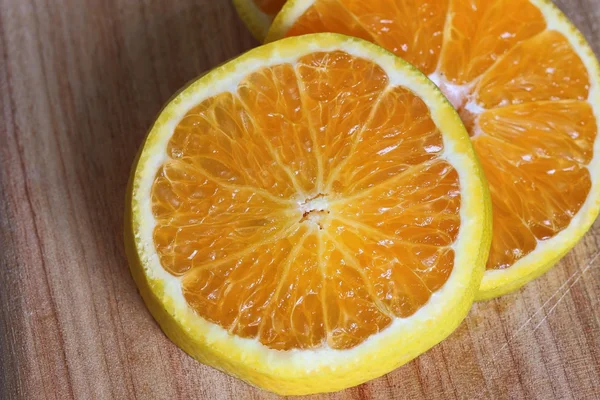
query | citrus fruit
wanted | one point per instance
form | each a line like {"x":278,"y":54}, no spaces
{"x":526,"y":85}
{"x":258,"y":14}
{"x":308,"y":216}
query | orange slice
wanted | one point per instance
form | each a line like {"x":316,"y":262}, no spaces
{"x":308,"y":216}
{"x":258,"y":15}
{"x":526,"y":85}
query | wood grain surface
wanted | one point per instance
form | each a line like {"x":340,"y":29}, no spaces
{"x":80,"y":83}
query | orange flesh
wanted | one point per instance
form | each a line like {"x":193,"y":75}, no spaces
{"x":521,"y":90}
{"x":310,"y":207}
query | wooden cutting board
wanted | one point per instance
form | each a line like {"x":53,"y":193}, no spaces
{"x":80,"y":83}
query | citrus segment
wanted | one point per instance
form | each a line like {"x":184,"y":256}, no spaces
{"x":478,"y":32}
{"x":183,"y":234}
{"x":286,"y":133}
{"x":213,"y":138}
{"x":267,"y":292}
{"x":417,"y":40}
{"x":322,"y":15}
{"x":397,"y":134}
{"x":526,"y":74}
{"x":338,"y":94}
{"x":525,"y":85}
{"x":388,"y":236}
{"x":351,"y":307}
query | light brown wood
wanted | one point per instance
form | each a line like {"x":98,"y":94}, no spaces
{"x":80,"y":83}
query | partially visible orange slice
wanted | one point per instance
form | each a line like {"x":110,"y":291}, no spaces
{"x":258,"y":14}
{"x":308,"y":216}
{"x":526,"y":85}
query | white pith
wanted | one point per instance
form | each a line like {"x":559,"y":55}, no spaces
{"x":456,"y":94}
{"x":460,"y":98}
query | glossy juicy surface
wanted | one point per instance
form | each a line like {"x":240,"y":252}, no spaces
{"x":520,"y":88}
{"x":309,"y":207}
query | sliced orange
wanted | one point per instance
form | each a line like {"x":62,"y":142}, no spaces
{"x":308,"y":216}
{"x":258,"y":14}
{"x":526,"y":85}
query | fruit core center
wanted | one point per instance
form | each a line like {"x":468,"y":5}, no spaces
{"x":315,"y":209}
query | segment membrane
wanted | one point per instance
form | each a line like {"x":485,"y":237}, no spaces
{"x":339,"y":92}
{"x":201,"y":220}
{"x":329,"y":16}
{"x":411,"y":29}
{"x":398,"y":134}
{"x":479,"y":32}
{"x":273,"y":99}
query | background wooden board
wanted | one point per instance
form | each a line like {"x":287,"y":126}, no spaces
{"x":80,"y":83}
